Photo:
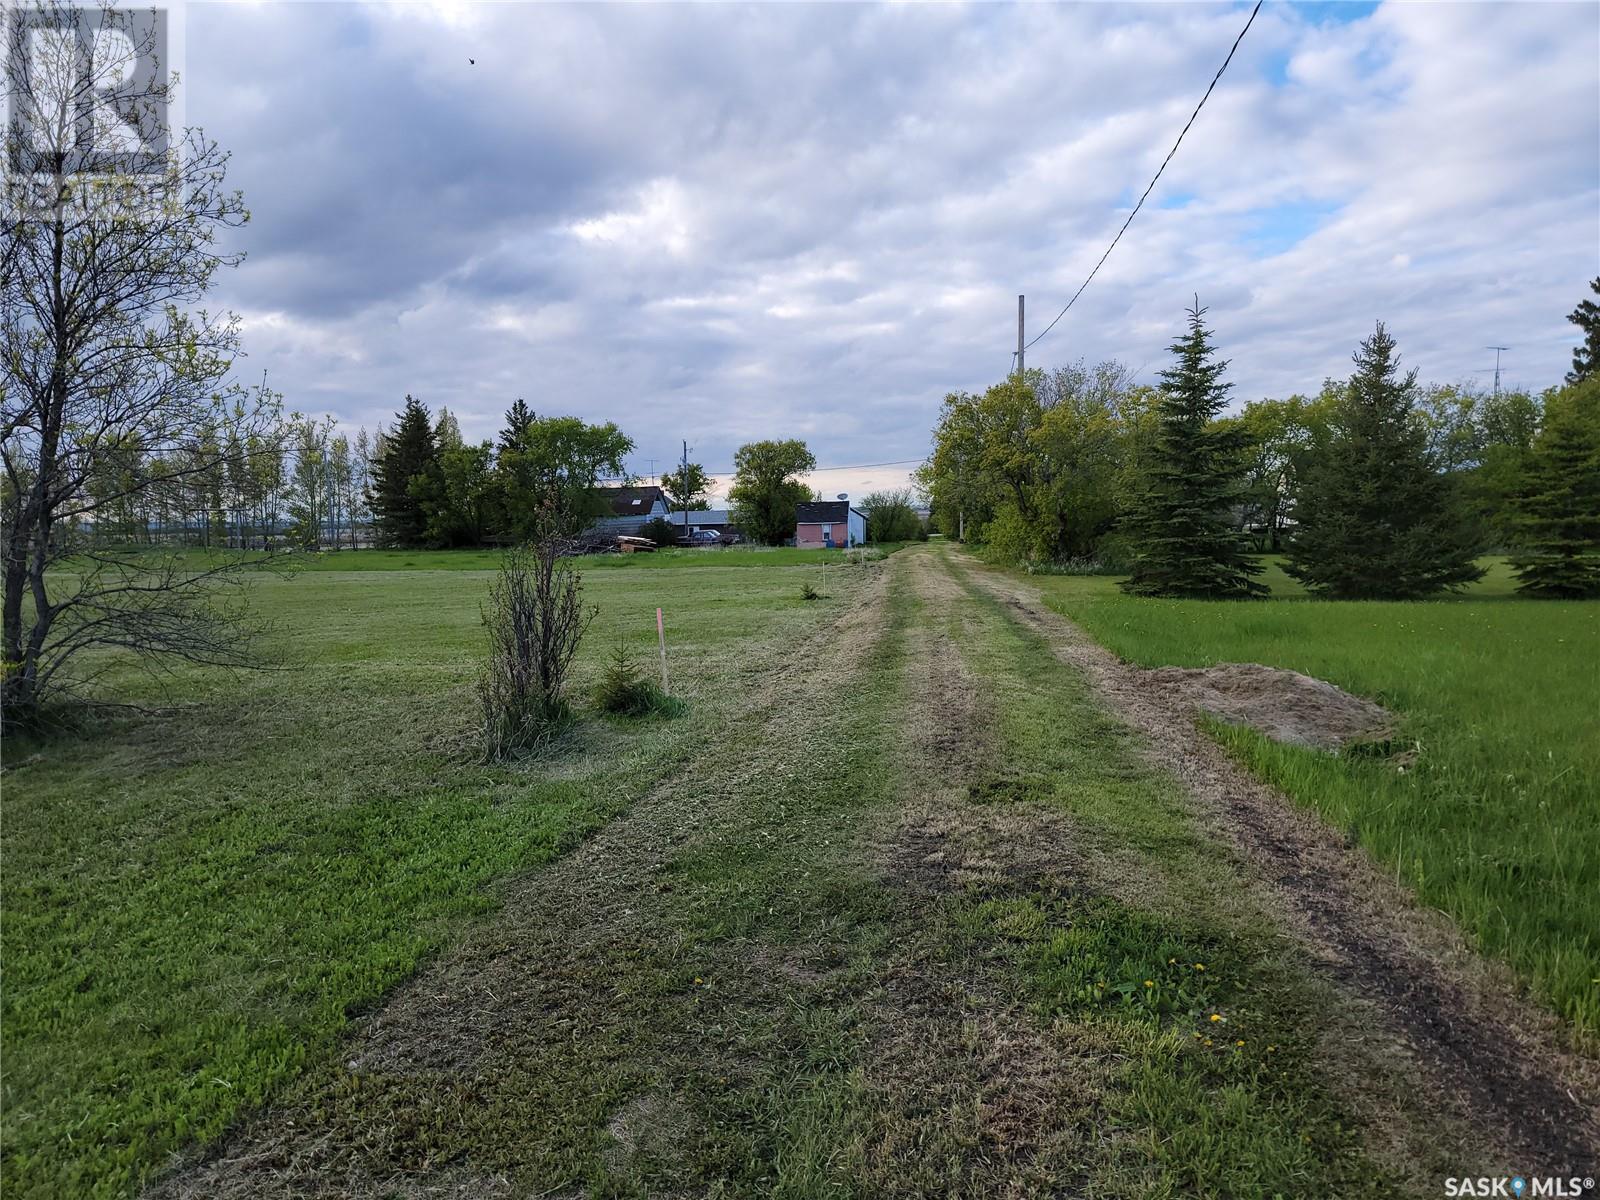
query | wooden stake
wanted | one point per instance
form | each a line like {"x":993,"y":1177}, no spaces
{"x":661,"y":636}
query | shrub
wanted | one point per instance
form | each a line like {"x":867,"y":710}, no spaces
{"x":624,"y":692}
{"x":535,"y":618}
{"x":807,"y":592}
{"x":661,"y":531}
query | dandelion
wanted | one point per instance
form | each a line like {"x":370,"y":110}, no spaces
{"x":1208,"y":1041}
{"x":698,"y":980}
{"x":1149,"y":983}
{"x":1240,"y":1042}
{"x":1216,"y":1016}
{"x":1199,"y":966}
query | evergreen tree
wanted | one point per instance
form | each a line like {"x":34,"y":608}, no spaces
{"x":1586,"y":358}
{"x":408,"y":454}
{"x":1181,"y":529}
{"x":1557,"y":513}
{"x":1376,"y":519}
{"x":519,"y":418}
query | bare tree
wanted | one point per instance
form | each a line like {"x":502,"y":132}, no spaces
{"x":114,"y":393}
{"x":536,"y":619}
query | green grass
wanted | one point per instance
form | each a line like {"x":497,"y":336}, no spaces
{"x":1494,"y":822}
{"x":1213,"y":1015}
{"x":719,"y":557}
{"x":197,"y":902}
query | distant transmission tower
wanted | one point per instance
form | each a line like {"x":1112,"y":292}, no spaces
{"x":1497,"y":350}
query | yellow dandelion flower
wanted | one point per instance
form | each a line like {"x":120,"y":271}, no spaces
{"x":1208,"y":1041}
{"x":1149,"y":983}
{"x":1199,"y":966}
{"x":1240,"y":1042}
{"x":697,"y":979}
{"x":1216,"y":1016}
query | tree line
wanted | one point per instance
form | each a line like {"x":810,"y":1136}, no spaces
{"x":1376,"y":485}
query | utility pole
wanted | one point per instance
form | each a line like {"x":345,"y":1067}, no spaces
{"x":652,"y":472}
{"x":683,"y":483}
{"x":1020,"y":350}
{"x":1497,"y":350}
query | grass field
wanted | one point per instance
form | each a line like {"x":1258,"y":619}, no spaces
{"x":196,"y":902}
{"x":763,"y":982}
{"x":718,"y":557}
{"x":1495,"y":821}
{"x":769,"y":996}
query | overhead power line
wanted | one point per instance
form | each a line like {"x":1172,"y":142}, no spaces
{"x":1157,"y":176}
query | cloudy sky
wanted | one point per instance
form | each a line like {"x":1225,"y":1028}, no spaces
{"x":722,"y":222}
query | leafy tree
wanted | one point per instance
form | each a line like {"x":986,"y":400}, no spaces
{"x":549,"y":468}
{"x":1081,"y":443}
{"x":408,"y":454}
{"x":115,"y":396}
{"x":953,"y":478}
{"x":686,"y":488}
{"x":457,"y":494}
{"x":1452,"y":416}
{"x":891,"y":516}
{"x":311,"y":490}
{"x":766,"y":488}
{"x":446,"y":431}
{"x":1181,"y":530}
{"x":1376,"y":519}
{"x":361,"y":460}
{"x":1586,"y":358}
{"x":1280,"y":437}
{"x":1558,"y":511}
{"x":1507,"y":426}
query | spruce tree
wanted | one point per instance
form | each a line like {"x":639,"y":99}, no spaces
{"x":409,"y":452}
{"x":1556,"y":519}
{"x":1586,"y":358}
{"x":514,"y":436}
{"x":1181,"y":529}
{"x":1375,"y":519}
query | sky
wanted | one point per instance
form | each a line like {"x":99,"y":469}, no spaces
{"x":717,"y":223}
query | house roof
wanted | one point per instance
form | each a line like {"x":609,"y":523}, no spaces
{"x":809,"y":511}
{"x":632,"y":501}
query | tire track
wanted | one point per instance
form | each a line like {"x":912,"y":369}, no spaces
{"x":1531,"y":1096}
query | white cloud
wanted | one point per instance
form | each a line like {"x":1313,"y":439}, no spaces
{"x":718,"y":223}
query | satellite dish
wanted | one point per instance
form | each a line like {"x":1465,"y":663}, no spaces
{"x":842,"y":496}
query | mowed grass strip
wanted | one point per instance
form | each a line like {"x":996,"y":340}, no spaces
{"x":1220,"y":1028}
{"x":196,"y":902}
{"x":1492,"y":818}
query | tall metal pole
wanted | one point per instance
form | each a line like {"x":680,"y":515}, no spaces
{"x":683,"y":483}
{"x":1020,"y":351}
{"x":1497,"y":350}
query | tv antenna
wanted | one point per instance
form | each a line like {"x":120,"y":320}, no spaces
{"x":1497,"y":350}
